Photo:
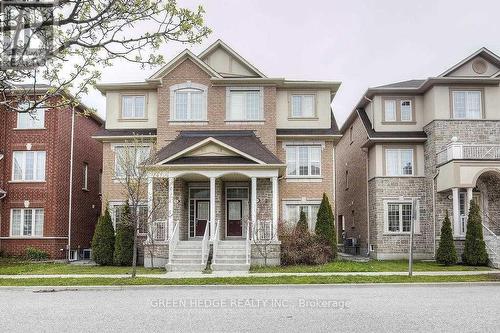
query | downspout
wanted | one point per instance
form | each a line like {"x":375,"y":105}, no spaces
{"x":70,"y":199}
{"x":434,"y":210}
{"x":335,"y":223}
{"x":367,"y":202}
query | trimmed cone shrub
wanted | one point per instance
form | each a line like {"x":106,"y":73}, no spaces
{"x":325,"y":228}
{"x":446,"y":253}
{"x":103,"y":242}
{"x":475,"y":249}
{"x":302,"y":226}
{"x":124,"y":239}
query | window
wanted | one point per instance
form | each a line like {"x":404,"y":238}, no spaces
{"x":399,"y":217}
{"x":347,"y":179}
{"x":292,"y":213}
{"x":28,"y":166}
{"x":406,"y":110}
{"x":390,"y":110}
{"x":118,"y":211}
{"x":303,"y":160}
{"x":245,"y":104}
{"x":85,"y":176}
{"x":133,"y":107}
{"x":467,"y":104}
{"x":399,"y":162}
{"x":351,"y":134}
{"x":303,"y":106}
{"x":34,"y":119}
{"x":188,"y":105}
{"x":128,"y":158}
{"x":26,"y":222}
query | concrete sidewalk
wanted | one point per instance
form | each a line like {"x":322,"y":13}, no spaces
{"x":220,"y":274}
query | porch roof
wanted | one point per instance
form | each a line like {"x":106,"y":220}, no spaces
{"x":242,"y":141}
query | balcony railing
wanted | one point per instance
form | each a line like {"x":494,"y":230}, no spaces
{"x":460,"y":151}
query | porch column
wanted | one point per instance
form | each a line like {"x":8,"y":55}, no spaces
{"x":150,"y":208}
{"x":171,"y":181}
{"x":212,"y":208}
{"x":469,"y":198}
{"x":456,"y":212}
{"x":275,"y":207}
{"x":253,"y":205}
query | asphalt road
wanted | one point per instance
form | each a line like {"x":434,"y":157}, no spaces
{"x":382,"y":308}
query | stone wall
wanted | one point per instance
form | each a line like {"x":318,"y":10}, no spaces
{"x":273,"y":251}
{"x":395,"y":246}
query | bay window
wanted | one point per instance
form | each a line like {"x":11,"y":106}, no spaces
{"x":27,"y":222}
{"x":244,"y":104}
{"x":303,"y":106}
{"x":28,"y":166}
{"x":303,"y":160}
{"x":133,"y":106}
{"x":467,"y":104}
{"x":399,"y":162}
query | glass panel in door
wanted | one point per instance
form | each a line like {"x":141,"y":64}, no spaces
{"x":202,"y":217}
{"x":234,"y":220}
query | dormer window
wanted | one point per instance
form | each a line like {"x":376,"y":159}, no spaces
{"x":303,"y":106}
{"x":467,"y":104}
{"x":188,"y":102}
{"x":398,"y":110}
{"x":133,"y":106}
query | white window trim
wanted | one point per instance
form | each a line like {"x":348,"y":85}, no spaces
{"x":395,"y":111}
{"x":85,"y":176}
{"x":188,"y":85}
{"x":302,"y":95}
{"x":308,"y":145}
{"x":22,"y":222}
{"x":42,"y":126}
{"x":144,"y":116}
{"x":481,"y":116}
{"x":401,"y":110}
{"x":114,"y":147}
{"x":261,"y":104}
{"x":23,"y":167}
{"x":112,"y":211}
{"x":400,"y":174}
{"x":400,"y":201}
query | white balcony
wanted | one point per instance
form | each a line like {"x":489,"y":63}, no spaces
{"x":460,"y":151}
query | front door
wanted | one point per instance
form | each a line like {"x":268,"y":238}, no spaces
{"x":202,"y":217}
{"x":234,"y":218}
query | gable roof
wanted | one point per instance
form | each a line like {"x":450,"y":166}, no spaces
{"x":482,"y":52}
{"x":244,"y":143}
{"x":219,"y":44}
{"x":186,"y":54}
{"x":404,"y":84}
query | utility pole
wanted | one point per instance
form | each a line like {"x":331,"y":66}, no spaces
{"x":412,"y":228}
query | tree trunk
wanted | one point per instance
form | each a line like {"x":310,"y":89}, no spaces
{"x":134,"y":256}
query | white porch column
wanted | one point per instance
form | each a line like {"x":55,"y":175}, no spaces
{"x":150,"y":208}
{"x":253,"y":204}
{"x":212,"y":208}
{"x":275,"y":207}
{"x":469,"y":198}
{"x":456,"y":212}
{"x":171,"y":181}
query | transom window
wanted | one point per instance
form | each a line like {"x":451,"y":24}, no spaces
{"x":303,"y":160}
{"x":28,"y":166}
{"x":467,"y":104}
{"x":399,"y":162}
{"x":237,"y":193}
{"x":34,"y":119}
{"x":292,"y":213}
{"x":128,"y":158}
{"x":303,"y":106}
{"x":27,"y":222}
{"x":188,"y":104}
{"x":399,"y":217}
{"x":133,"y":106}
{"x":244,"y":104}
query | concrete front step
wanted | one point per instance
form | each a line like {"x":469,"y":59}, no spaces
{"x":231,"y":261}
{"x":184,"y":267}
{"x":230,"y":267}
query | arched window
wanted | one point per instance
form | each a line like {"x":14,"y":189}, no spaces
{"x":188,"y":102}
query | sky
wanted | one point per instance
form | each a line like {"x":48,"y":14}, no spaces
{"x":360,"y":43}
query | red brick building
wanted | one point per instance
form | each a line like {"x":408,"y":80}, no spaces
{"x":38,"y":181}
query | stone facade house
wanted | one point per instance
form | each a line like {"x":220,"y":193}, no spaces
{"x":49,"y":180}
{"x":237,"y":151}
{"x":421,"y":148}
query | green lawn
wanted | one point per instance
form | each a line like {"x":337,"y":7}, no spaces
{"x":370,"y":266}
{"x":246,"y":280}
{"x":13,"y":267}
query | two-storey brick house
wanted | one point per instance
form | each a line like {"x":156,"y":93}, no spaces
{"x":49,"y":180}
{"x":433,"y":143}
{"x":240,"y":152}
